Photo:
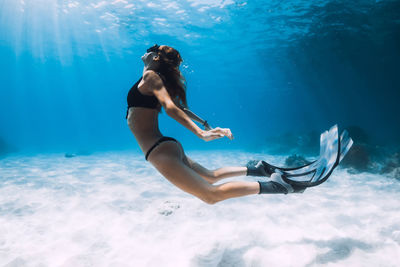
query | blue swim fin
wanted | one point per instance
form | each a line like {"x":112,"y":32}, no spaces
{"x":332,"y":151}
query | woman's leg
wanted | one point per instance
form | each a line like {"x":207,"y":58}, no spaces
{"x":168,"y":157}
{"x":213,"y":176}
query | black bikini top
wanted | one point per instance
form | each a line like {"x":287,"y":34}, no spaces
{"x":137,"y":99}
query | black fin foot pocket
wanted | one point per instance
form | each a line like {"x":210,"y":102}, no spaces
{"x":272,"y":187}
{"x":277,"y":185}
{"x":259,"y":168}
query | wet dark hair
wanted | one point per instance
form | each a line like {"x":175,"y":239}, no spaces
{"x":175,"y":82}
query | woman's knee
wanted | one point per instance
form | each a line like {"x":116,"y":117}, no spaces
{"x":212,"y":196}
{"x":209,"y":200}
{"x":212,"y":176}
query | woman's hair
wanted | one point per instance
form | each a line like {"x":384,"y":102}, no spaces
{"x":175,"y":82}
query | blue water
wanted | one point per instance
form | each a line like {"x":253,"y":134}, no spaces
{"x":261,"y":68}
{"x":277,"y":73}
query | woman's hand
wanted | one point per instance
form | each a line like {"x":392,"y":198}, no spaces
{"x":216,"y":133}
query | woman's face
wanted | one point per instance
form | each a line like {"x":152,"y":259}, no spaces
{"x":148,"y":58}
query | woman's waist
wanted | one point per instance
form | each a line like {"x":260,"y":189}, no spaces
{"x":144,"y":131}
{"x":146,"y":142}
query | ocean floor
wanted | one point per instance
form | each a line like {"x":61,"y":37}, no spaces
{"x":114,"y":209}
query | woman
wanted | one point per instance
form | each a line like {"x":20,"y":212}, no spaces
{"x":162,"y":86}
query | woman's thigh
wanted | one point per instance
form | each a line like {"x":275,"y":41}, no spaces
{"x":207,"y":174}
{"x":168,"y":159}
{"x":204,"y":172}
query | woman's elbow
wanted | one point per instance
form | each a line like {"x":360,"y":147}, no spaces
{"x":170,"y":109}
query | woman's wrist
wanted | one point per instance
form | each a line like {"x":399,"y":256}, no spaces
{"x":200,"y":133}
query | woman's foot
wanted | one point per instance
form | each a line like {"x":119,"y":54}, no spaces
{"x":259,"y":168}
{"x":278,"y":186}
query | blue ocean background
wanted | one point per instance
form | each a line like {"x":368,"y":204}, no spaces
{"x":75,"y":189}
{"x":261,"y":68}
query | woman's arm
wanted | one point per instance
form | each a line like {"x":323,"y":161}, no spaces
{"x":156,"y":85}
{"x":197,"y":118}
{"x":180,"y":116}
{"x":207,"y":135}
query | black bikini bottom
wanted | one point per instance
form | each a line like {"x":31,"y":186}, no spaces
{"x":159,"y":141}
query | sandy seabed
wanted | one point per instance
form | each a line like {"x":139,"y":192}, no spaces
{"x":115,"y":209}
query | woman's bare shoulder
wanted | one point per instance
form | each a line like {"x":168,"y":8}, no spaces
{"x":151,"y":81}
{"x":151,"y":76}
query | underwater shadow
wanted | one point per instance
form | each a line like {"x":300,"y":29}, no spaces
{"x":339,"y":249}
{"x":221,"y":257}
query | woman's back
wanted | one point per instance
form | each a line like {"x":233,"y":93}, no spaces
{"x":142,"y":115}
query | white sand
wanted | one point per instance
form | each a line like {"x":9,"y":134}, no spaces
{"x":114,"y":209}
